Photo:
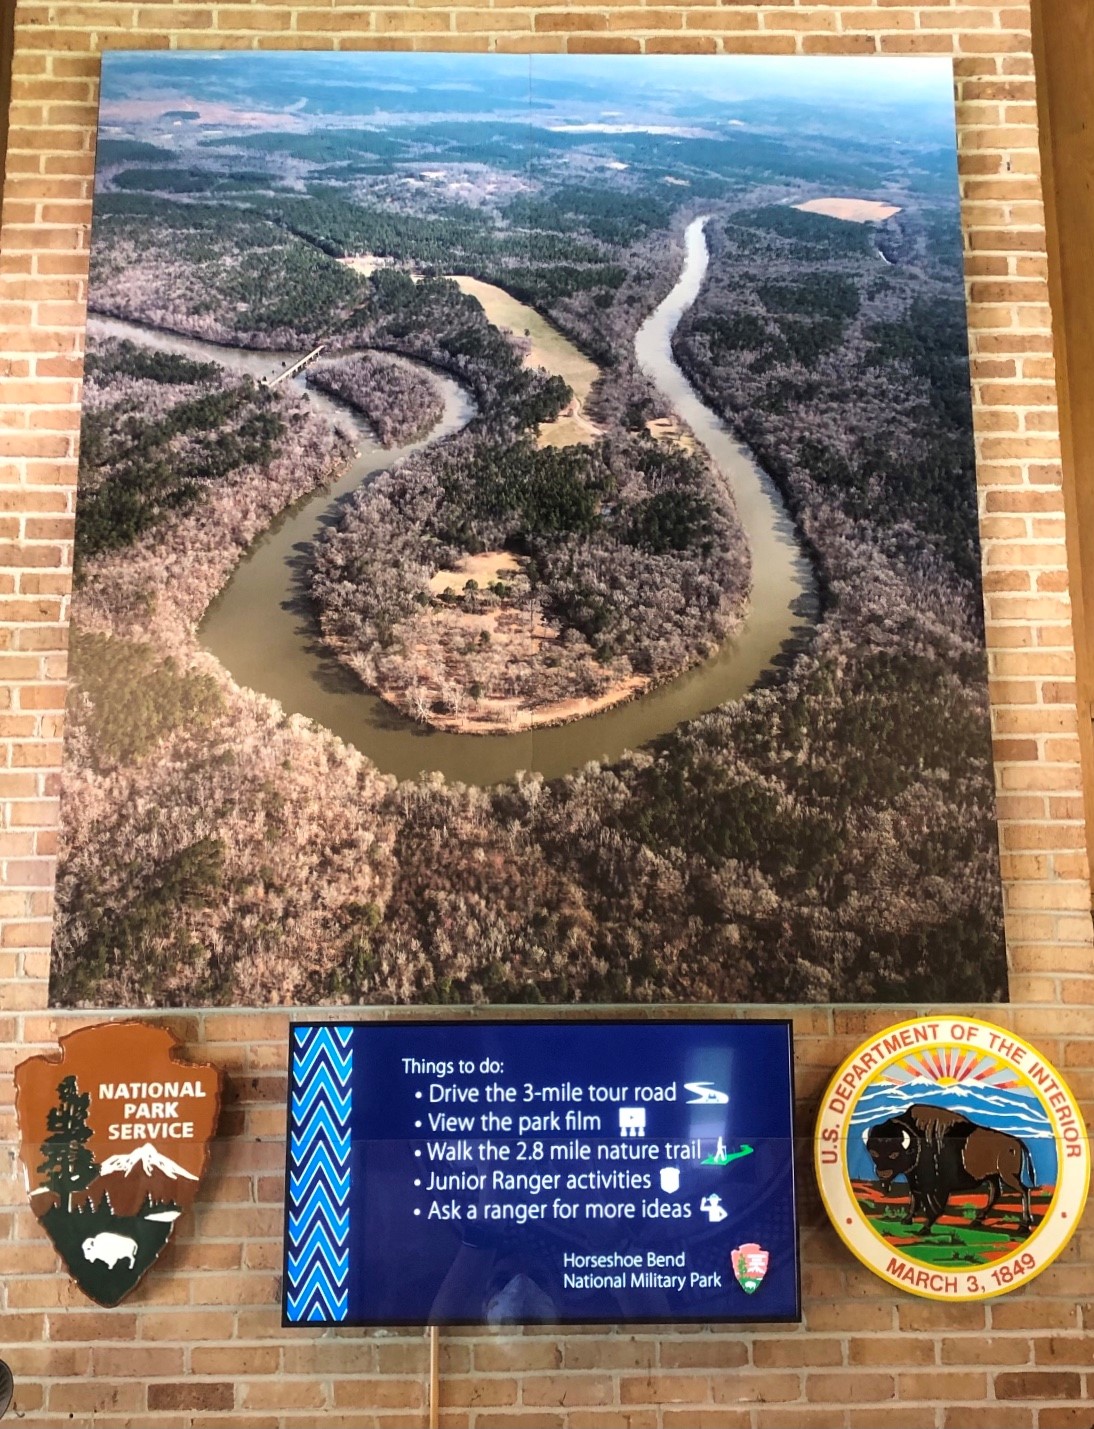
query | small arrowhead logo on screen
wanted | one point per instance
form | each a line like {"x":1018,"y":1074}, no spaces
{"x":749,"y":1266}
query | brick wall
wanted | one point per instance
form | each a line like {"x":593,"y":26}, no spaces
{"x":200,"y":1342}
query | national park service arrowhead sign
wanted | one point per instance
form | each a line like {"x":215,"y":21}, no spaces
{"x":952,"y":1158}
{"x":115,"y":1133}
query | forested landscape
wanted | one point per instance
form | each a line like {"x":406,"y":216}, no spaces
{"x":625,"y":565}
{"x":545,"y":554}
{"x":398,"y":403}
{"x":158,"y":431}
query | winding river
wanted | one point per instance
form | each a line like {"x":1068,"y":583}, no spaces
{"x":261,"y":630}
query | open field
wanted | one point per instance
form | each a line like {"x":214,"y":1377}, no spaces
{"x":851,"y":210}
{"x":548,"y":349}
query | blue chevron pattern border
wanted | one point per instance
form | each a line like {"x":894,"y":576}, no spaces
{"x":317,"y":1231}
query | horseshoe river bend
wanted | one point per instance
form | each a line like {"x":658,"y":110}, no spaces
{"x":261,"y":628}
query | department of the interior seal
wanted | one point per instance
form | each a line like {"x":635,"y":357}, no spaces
{"x":952,"y":1158}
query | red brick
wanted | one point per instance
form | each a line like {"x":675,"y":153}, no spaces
{"x":1038,"y":1385}
{"x":192,"y":1394}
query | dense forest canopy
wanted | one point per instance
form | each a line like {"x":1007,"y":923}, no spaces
{"x":399,"y":402}
{"x":157,"y":428}
{"x":630,"y":563}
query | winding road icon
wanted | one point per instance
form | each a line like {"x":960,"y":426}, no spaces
{"x":705,"y":1094}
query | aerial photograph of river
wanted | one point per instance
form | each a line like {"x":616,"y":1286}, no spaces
{"x":526,"y":542}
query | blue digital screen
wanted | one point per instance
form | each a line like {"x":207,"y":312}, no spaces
{"x":519,"y":1172}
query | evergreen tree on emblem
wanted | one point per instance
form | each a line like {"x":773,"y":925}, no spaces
{"x":69,"y":1165}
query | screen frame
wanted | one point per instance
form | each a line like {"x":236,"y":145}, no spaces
{"x":685,"y":1017}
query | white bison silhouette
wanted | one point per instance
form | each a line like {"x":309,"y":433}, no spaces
{"x":110,"y":1248}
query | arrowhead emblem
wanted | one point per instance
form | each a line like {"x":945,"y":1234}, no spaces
{"x":114,"y":1139}
{"x":749,"y":1266}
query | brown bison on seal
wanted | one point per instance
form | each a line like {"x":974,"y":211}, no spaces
{"x":938,"y":1151}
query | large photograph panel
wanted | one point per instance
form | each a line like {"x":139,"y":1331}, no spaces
{"x":526,"y":538}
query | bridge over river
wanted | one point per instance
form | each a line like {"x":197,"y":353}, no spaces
{"x":298,"y":366}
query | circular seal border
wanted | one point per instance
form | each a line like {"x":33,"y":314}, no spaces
{"x":1060,"y":1221}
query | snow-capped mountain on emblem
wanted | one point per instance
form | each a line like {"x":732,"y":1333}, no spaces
{"x":149,"y":1160}
{"x":139,"y":1181}
{"x":109,"y":1212}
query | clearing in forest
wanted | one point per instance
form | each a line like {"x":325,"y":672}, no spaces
{"x":367,"y":263}
{"x":556,"y":354}
{"x":507,"y":632}
{"x":485,"y":569}
{"x":853,"y":210}
{"x":671,"y":429}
